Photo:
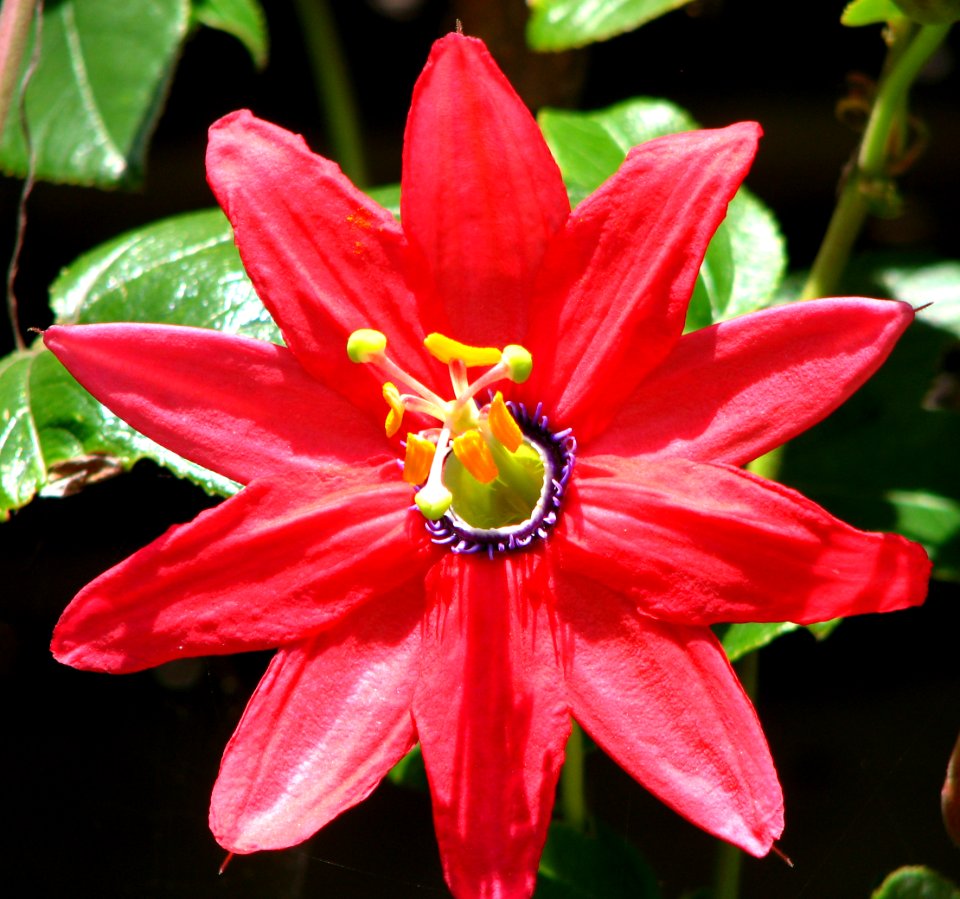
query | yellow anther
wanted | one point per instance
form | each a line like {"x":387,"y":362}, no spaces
{"x":395,"y":415}
{"x":446,"y":350}
{"x":365,"y":345}
{"x":475,"y":456}
{"x":503,"y":424}
{"x":419,"y":456}
{"x":433,"y":500}
{"x":519,"y":362}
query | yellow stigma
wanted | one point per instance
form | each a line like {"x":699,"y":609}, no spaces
{"x":446,"y":350}
{"x":519,"y":362}
{"x":395,"y":415}
{"x":418,"y":458}
{"x":366,"y":345}
{"x":503,"y":425}
{"x":475,"y":456}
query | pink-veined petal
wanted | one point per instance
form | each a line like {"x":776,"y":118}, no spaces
{"x":731,"y":392}
{"x":243,"y":408}
{"x":662,"y":700}
{"x":324,"y":258}
{"x":481,"y":195}
{"x":329,"y":719}
{"x":492,"y":720}
{"x":703,"y":543}
{"x":616,"y":282}
{"x":279,"y":561}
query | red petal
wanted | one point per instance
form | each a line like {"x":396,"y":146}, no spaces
{"x":481,"y":195}
{"x":616,"y":283}
{"x":492,"y":720}
{"x":702,"y":543}
{"x":662,"y":700}
{"x":324,"y":258}
{"x":732,"y":392}
{"x":244,"y":408}
{"x":272,"y":565}
{"x":328,"y":720}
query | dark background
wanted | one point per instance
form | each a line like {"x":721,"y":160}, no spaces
{"x":105,"y":780}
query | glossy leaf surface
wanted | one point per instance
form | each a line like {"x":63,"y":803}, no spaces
{"x":183,"y":270}
{"x":97,"y":92}
{"x":561,"y":24}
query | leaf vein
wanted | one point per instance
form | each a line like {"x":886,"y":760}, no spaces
{"x":115,"y":160}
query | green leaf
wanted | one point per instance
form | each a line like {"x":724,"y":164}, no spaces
{"x":562,"y":24}
{"x":180,"y":271}
{"x":916,"y":882}
{"x":740,"y":640}
{"x":600,"y":865}
{"x":746,"y":259}
{"x":869,"y":12}
{"x":54,"y":437}
{"x":410,"y":772}
{"x":886,"y":460}
{"x":589,"y":146}
{"x":97,"y":92}
{"x":388,"y":196}
{"x":743,"y":267}
{"x":21,"y":462}
{"x":244,"y":19}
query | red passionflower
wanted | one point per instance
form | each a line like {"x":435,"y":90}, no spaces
{"x":551,"y":572}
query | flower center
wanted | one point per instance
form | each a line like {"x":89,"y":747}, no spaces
{"x":490,"y":476}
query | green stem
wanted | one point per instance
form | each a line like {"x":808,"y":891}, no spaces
{"x":573,"y":801}
{"x":908,"y":53}
{"x":729,"y":859}
{"x":15,"y":19}
{"x":332,"y":83}
{"x":892,"y":94}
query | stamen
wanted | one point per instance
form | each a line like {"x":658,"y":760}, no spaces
{"x":488,"y":480}
{"x":474,"y":454}
{"x":503,"y":425}
{"x":418,"y":459}
{"x":367,"y":346}
{"x":515,"y":363}
{"x":497,"y":373}
{"x":446,"y":350}
{"x":458,"y":376}
{"x":395,"y":415}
